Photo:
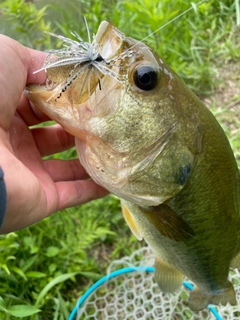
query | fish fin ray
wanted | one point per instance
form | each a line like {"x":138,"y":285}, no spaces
{"x":168,"y":223}
{"x":199,"y":299}
{"x":167,"y":277}
{"x":131,"y":223}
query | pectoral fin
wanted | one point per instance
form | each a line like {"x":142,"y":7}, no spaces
{"x":168,"y":223}
{"x":167,"y":277}
{"x":199,"y":299}
{"x":131,"y":223}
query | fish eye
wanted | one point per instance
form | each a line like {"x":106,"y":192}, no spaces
{"x":145,"y":77}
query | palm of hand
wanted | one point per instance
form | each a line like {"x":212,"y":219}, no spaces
{"x":35,"y":187}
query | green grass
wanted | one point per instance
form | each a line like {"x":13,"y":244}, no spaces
{"x":49,"y":265}
{"x":79,"y":240}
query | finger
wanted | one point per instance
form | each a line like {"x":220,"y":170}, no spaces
{"x":17,"y":64}
{"x":30,"y":59}
{"x":65,"y":170}
{"x":52,"y":139}
{"x":33,"y":60}
{"x":75,"y":193}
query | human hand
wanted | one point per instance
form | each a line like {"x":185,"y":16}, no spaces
{"x":36,"y":188}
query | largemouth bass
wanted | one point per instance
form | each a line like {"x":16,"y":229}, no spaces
{"x":145,"y":137}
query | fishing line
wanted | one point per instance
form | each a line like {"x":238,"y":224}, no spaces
{"x":172,"y":20}
{"x":82,"y":51}
{"x":163,"y":26}
{"x":77,"y":52}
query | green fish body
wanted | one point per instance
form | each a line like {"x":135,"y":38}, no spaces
{"x":143,"y":135}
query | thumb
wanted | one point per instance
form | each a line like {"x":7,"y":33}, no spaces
{"x":17,"y":64}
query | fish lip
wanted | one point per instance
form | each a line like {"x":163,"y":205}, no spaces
{"x":34,"y":88}
{"x":40,"y":91}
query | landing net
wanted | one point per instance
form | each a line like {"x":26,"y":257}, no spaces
{"x":129,"y":292}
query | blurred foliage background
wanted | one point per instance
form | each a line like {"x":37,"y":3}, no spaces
{"x":46,"y":267}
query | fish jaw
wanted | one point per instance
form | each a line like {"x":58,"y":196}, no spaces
{"x":71,"y":105}
{"x":62,"y":112}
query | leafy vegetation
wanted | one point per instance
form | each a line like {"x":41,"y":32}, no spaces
{"x":46,"y":267}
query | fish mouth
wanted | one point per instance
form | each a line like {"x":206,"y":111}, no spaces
{"x":79,"y":78}
{"x":106,"y":45}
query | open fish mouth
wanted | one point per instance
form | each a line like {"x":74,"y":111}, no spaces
{"x":93,"y":60}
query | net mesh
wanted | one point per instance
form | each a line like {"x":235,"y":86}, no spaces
{"x":135,"y":295}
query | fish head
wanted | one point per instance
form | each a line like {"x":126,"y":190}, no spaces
{"x":131,"y":115}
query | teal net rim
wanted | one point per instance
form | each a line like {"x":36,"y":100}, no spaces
{"x":119,"y":272}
